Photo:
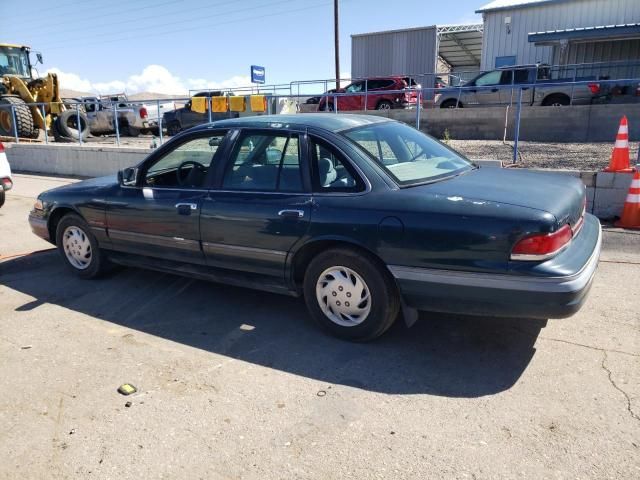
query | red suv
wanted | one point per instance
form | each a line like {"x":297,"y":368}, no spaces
{"x":380,"y":93}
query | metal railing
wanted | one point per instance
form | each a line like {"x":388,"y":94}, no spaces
{"x":418,"y":99}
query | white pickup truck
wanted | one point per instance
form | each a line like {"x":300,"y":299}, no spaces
{"x":6,"y":183}
{"x":155,"y":111}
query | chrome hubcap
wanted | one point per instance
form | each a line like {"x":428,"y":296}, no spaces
{"x":384,"y":106}
{"x":343,"y":296}
{"x":77,"y":247}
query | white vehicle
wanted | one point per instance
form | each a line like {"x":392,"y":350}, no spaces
{"x":5,"y":174}
{"x":154,"y":114}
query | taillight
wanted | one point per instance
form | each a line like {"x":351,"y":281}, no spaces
{"x":542,"y":245}
{"x":7,"y":184}
{"x":594,"y":87}
{"x":143,"y":112}
{"x":1,"y":148}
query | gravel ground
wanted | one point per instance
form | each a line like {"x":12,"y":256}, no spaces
{"x":572,"y":156}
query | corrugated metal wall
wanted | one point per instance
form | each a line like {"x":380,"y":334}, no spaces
{"x":394,"y":53}
{"x":578,"y":13}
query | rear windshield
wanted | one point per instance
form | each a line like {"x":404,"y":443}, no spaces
{"x":408,"y":155}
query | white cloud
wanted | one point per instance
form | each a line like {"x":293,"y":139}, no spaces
{"x":153,"y":78}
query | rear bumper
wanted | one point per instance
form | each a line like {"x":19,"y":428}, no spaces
{"x":504,"y":295}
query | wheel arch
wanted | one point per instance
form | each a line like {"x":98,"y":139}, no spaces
{"x":302,"y":257}
{"x":55,"y":216}
{"x":559,"y":95}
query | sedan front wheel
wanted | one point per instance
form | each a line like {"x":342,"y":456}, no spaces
{"x":79,"y":248}
{"x":350,"y":295}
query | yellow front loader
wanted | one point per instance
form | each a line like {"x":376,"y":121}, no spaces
{"x":18,"y":87}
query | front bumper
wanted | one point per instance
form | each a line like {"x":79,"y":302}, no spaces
{"x":506,"y":295}
{"x":39,"y":226}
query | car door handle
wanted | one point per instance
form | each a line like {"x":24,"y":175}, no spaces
{"x":185,"y":208}
{"x":291,"y":213}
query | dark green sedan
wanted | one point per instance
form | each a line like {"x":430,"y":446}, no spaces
{"x":367,"y":218}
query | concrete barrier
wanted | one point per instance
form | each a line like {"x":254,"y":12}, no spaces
{"x":584,"y":123}
{"x":606,"y":192}
{"x":72,"y":160}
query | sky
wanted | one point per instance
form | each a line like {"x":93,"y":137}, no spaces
{"x":172,"y":46}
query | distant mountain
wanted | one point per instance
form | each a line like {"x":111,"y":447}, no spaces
{"x":154,"y":96}
{"x":67,"y":93}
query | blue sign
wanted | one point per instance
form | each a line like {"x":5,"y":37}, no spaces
{"x":257,"y":74}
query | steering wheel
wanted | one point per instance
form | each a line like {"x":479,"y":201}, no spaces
{"x":183,"y":178}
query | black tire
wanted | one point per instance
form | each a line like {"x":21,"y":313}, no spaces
{"x":2,"y":197}
{"x":556,"y":100}
{"x":23,"y":118}
{"x":384,"y":105}
{"x":97,"y":263}
{"x":383,"y":293}
{"x":451,"y":104}
{"x":133,"y":131}
{"x":173,"y":128}
{"x":66,"y":125}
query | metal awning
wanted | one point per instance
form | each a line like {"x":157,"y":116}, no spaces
{"x":606,"y":32}
{"x":460,"y":45}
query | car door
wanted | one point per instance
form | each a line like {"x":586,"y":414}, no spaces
{"x":189,"y":118}
{"x":354,"y":101}
{"x":487,"y":91}
{"x":260,"y":206}
{"x":159,"y":216}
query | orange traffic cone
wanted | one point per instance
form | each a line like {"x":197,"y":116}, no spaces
{"x":620,"y":155}
{"x":631,"y":211}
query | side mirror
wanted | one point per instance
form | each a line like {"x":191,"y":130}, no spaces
{"x":188,"y":105}
{"x":39,"y":57}
{"x":128,"y":177}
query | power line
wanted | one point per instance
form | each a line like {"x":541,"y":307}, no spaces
{"x":134,"y":20}
{"x":57,"y":27}
{"x":179,"y":22}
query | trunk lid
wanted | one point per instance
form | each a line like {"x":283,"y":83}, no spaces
{"x":562,"y":196}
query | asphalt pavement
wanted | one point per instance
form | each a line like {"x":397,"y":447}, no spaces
{"x":234,"y":383}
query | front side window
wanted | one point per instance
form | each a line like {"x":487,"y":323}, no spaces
{"x":265,"y":162}
{"x":355,"y":87}
{"x":186,"y":166}
{"x":490,"y":78}
{"x":408,"y":155}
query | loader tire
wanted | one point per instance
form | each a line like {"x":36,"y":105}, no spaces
{"x":23,"y":118}
{"x":66,"y":125}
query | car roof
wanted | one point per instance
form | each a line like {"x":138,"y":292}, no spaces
{"x":328,"y":121}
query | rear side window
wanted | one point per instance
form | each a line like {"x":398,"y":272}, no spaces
{"x":266,"y":163}
{"x":330,"y":171}
{"x":379,"y":84}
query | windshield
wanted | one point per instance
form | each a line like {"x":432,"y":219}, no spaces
{"x":14,"y":61}
{"x":408,"y":155}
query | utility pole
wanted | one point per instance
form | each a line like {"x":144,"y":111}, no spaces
{"x":336,"y":41}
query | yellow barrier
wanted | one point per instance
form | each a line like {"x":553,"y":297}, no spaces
{"x":237,"y":104}
{"x":199,"y":104}
{"x":219,"y":104}
{"x":258,"y":103}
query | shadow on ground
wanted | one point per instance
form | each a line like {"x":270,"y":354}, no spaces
{"x":443,"y":355}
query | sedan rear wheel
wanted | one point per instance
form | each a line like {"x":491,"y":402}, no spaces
{"x":350,"y":295}
{"x":79,"y":248}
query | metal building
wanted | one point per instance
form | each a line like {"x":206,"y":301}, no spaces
{"x":416,"y":51}
{"x":560,"y":32}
